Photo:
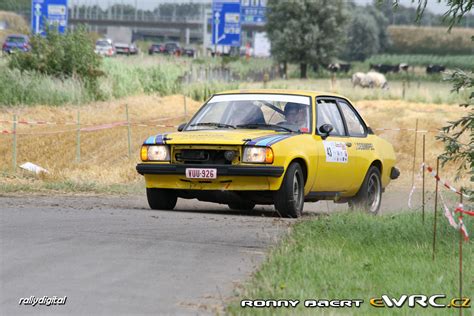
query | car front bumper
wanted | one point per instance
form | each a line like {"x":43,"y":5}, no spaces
{"x":222,"y":170}
{"x":229,"y":177}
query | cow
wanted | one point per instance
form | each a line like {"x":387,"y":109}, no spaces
{"x":337,"y":67}
{"x":384,"y":68}
{"x":403,"y":66}
{"x":369,"y":80}
{"x":434,"y":69}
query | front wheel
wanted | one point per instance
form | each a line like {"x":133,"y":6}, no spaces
{"x":161,"y":199}
{"x":369,"y":197}
{"x":289,"y":199}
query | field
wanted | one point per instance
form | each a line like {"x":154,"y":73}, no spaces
{"x":104,"y":153}
{"x":430,"y":40}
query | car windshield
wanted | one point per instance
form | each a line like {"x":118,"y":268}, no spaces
{"x":16,"y":39}
{"x":288,"y":113}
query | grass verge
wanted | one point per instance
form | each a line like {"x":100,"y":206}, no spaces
{"x":357,"y":256}
{"x":68,"y":186}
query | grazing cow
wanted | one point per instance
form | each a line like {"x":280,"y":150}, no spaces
{"x":369,"y":80}
{"x":378,"y":80}
{"x":403,"y":66}
{"x":337,"y":67}
{"x":358,"y":79}
{"x":384,"y":68}
{"x":434,"y":69}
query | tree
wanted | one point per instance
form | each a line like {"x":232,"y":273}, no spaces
{"x":362,"y":37}
{"x":305,"y":31}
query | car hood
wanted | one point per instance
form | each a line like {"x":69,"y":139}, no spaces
{"x":220,"y":137}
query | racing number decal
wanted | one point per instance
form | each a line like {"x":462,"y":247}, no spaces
{"x":336,"y":152}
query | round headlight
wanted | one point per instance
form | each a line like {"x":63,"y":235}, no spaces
{"x":158,"y":153}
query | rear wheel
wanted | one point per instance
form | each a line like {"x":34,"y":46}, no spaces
{"x":242,"y":205}
{"x":369,"y":196}
{"x":161,"y":199}
{"x":289,"y":199}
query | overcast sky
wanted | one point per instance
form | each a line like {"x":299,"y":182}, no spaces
{"x":433,"y":5}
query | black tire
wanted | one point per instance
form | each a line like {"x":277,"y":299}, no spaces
{"x":161,"y":199}
{"x":369,"y":197}
{"x":242,"y":206}
{"x":289,"y":199}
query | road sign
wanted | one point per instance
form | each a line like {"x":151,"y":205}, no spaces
{"x":48,"y":13}
{"x":254,"y":12}
{"x":226,"y":22}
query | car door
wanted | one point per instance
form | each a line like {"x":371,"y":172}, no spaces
{"x":336,"y":154}
{"x":358,"y":133}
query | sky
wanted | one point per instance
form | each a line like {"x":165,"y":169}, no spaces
{"x":433,"y":5}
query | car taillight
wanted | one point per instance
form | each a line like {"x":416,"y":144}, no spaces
{"x":4,"y":45}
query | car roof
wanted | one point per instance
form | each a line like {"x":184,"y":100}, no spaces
{"x":284,"y":91}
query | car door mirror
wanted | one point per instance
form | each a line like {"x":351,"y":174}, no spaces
{"x":181,"y":127}
{"x":325,"y":129}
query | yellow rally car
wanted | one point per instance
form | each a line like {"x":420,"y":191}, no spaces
{"x":280,"y":147}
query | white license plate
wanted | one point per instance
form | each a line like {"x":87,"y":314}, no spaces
{"x":201,"y":173}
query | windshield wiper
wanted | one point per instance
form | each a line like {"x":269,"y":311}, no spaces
{"x":214,"y":124}
{"x":272,"y":126}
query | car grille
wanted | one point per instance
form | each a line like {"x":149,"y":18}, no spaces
{"x":206,"y":156}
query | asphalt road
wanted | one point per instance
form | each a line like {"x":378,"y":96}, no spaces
{"x":114,"y":256}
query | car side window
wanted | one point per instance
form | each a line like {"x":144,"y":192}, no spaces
{"x":354,"y":125}
{"x":328,"y":113}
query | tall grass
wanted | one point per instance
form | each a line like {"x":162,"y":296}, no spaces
{"x":123,"y":77}
{"x":28,"y":88}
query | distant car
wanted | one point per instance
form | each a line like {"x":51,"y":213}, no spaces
{"x":173,"y":49}
{"x":105,"y":47}
{"x":16,"y":43}
{"x":125,"y":49}
{"x":156,"y":49}
{"x":281,"y":147}
{"x":190,"y":52}
{"x":133,"y":49}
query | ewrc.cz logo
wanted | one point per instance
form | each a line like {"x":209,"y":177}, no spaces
{"x":306,"y":303}
{"x":45,"y":300}
{"x":421,"y":300}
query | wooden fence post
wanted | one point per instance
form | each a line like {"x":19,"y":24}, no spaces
{"x":436,"y":207}
{"x":14,"y":143}
{"x":423,"y":183}
{"x":78,"y":137}
{"x":129,"y":132}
